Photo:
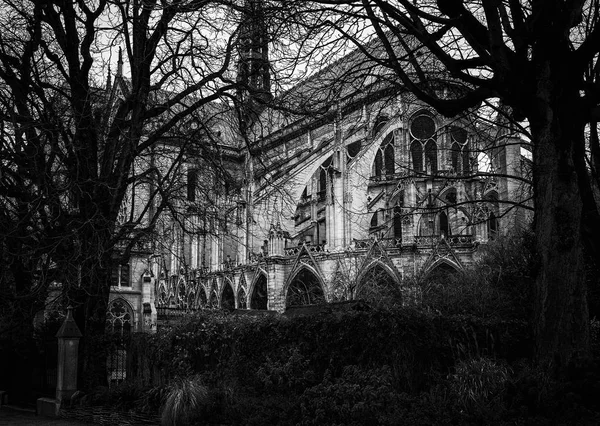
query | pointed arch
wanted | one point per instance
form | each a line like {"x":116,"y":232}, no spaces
{"x":201,"y":299}
{"x":416,"y":151}
{"x":492,"y":226}
{"x":378,"y":164}
{"x":119,"y":317}
{"x":444,"y":225}
{"x":449,"y":196}
{"x":441,"y":271}
{"x":305,"y":288}
{"x":191,"y":295}
{"x":259,"y":298}
{"x":431,"y":157}
{"x":455,"y":157}
{"x":227,"y":296}
{"x":322,"y":180}
{"x":162,"y":292}
{"x":241,"y":298}
{"x":119,"y":320}
{"x":181,"y":294}
{"x":375,"y":220}
{"x":378,"y":284}
{"x":213,"y":297}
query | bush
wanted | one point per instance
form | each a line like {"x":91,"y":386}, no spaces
{"x":498,"y":285}
{"x":184,"y":403}
{"x":359,"y":397}
{"x":478,"y":386}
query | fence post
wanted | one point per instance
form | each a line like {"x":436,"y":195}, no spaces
{"x":66,"y":381}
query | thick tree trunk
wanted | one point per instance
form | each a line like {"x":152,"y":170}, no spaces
{"x":90,"y":296}
{"x":561,"y":323}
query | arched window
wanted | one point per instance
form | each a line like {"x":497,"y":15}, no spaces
{"x":422,"y":132}
{"x":305,"y":289}
{"x":416,"y":150}
{"x":119,"y":319}
{"x":374,"y":220}
{"x":378,"y":163}
{"x":492,"y":226}
{"x":431,"y":161}
{"x":389,"y":159}
{"x":460,"y":150}
{"x":455,"y":153}
{"x":444,"y":225}
{"x":259,"y":299}
{"x":385,"y":161}
{"x":322,"y":180}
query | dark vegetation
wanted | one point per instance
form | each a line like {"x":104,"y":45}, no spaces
{"x":462,"y":356}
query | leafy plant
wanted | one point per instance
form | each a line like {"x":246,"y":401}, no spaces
{"x":359,"y":397}
{"x":184,"y":403}
{"x":478,"y":385}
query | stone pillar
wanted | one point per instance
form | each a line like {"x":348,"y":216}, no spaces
{"x":68,"y":352}
{"x":148,"y":322}
{"x":275,"y":281}
{"x":66,"y":377}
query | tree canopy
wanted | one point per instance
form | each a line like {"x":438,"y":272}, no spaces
{"x":540,"y":60}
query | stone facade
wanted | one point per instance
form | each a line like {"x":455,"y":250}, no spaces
{"x":390,"y":188}
{"x":376,"y":188}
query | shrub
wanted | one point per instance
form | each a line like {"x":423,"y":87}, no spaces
{"x":359,"y":397}
{"x":478,"y":386}
{"x":184,"y":403}
{"x":289,"y":373}
{"x":498,"y":285}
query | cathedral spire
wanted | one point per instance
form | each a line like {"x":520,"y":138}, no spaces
{"x":253,"y":66}
{"x":120,"y":64}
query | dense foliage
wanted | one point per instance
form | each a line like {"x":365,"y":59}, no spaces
{"x":463,"y":356}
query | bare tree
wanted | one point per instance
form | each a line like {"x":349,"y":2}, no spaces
{"x":540,"y":60}
{"x":77,"y":142}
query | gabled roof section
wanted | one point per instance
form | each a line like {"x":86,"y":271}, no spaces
{"x":442,"y":252}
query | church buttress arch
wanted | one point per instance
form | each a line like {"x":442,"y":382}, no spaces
{"x":305,"y":288}
{"x":378,"y":284}
{"x":259,"y":299}
{"x":227,"y":296}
